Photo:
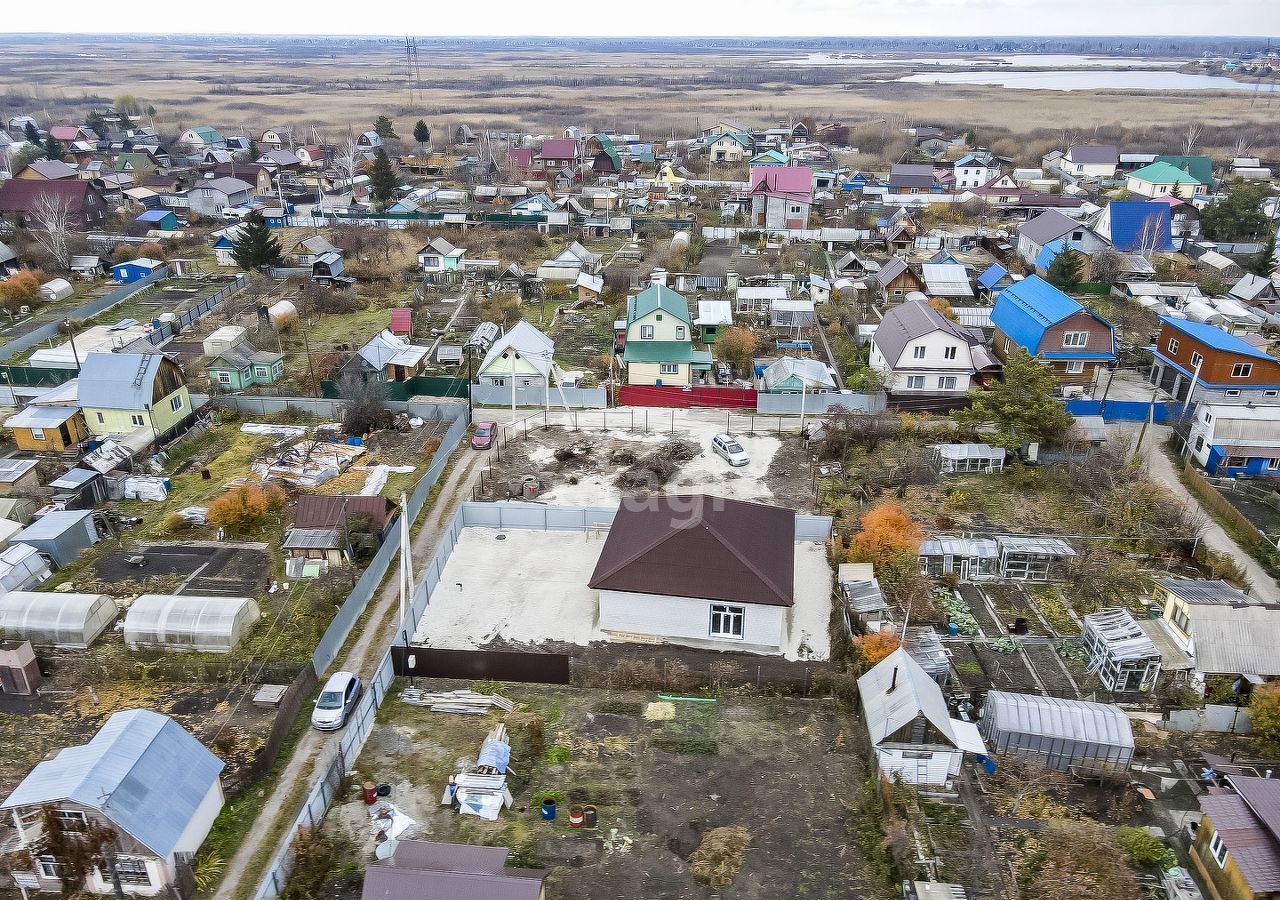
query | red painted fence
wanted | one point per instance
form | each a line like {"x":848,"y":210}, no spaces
{"x":690,"y":398}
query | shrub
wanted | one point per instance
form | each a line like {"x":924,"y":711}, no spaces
{"x":1141,"y":848}
{"x":174,"y":522}
{"x":558,"y":755}
{"x":245,"y":507}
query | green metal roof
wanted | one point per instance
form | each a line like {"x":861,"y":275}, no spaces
{"x":1164,"y":173}
{"x":663,"y":352}
{"x":1198,"y":167}
{"x":657,"y":297}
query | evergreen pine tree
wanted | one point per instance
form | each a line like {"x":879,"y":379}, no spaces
{"x":421,"y":134}
{"x":30,"y":133}
{"x":53,"y":149}
{"x":1264,"y":261}
{"x":256,"y":246}
{"x":384,"y":128}
{"x":1064,"y":271}
{"x":382,"y":178}
{"x":96,"y":123}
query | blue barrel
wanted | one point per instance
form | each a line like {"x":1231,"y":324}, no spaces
{"x":548,"y":810}
{"x":953,"y":629}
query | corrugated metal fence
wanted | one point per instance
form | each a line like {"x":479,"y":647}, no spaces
{"x":88,"y":311}
{"x":504,"y":515}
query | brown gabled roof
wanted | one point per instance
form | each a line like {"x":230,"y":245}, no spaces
{"x":18,"y":194}
{"x":327,"y":511}
{"x":700,"y":546}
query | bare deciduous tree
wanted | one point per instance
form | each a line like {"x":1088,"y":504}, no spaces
{"x":1192,"y":137}
{"x":51,"y":218}
{"x":347,"y":161}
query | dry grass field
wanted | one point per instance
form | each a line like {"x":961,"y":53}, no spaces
{"x":248,"y":84}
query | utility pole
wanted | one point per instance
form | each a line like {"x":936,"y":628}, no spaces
{"x":1151,"y":414}
{"x":306,"y":345}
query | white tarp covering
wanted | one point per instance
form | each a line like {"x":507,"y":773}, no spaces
{"x":145,"y":487}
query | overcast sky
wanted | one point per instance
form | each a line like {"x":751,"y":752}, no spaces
{"x":709,"y":17}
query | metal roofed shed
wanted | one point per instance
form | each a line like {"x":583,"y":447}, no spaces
{"x":69,"y":621}
{"x":204,"y":624}
{"x":926,"y":647}
{"x":1066,"y":735}
{"x":951,"y":459}
{"x":1121,"y":654}
{"x":61,"y":535}
{"x":862,"y":596}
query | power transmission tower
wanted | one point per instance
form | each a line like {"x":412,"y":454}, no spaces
{"x":413,"y":69}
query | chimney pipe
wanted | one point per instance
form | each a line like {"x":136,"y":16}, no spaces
{"x":893,"y":682}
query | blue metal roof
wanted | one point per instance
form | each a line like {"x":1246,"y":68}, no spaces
{"x":142,"y":770}
{"x":1025,"y":310}
{"x":1214,"y":337}
{"x":153,"y":215}
{"x":1049,"y":252}
{"x":992,"y":276}
{"x":1139,"y":225}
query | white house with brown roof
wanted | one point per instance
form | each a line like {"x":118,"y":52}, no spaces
{"x":918,"y":351}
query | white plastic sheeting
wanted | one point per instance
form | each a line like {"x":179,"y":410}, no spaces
{"x":68,"y":620}
{"x":204,"y":624}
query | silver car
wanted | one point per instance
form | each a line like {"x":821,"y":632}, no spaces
{"x":337,"y":699}
{"x":727,"y":446}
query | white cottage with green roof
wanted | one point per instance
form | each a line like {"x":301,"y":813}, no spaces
{"x":659,"y":348}
{"x":1163,"y":178}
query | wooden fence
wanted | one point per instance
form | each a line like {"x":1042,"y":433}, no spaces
{"x":1210,"y":496}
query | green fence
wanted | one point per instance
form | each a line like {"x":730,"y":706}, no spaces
{"x":417,"y":386}
{"x":35,"y":376}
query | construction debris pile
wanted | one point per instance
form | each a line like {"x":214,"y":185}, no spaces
{"x":653,"y":470}
{"x":462,"y":701}
{"x":307,"y":463}
{"x":481,"y":789}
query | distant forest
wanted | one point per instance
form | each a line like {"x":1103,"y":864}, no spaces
{"x":1111,"y":45}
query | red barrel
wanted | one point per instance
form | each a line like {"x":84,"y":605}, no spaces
{"x":576,"y":817}
{"x":370,"y":793}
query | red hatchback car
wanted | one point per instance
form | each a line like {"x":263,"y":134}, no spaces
{"x":482,"y":437}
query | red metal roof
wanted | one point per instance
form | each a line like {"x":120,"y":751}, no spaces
{"x":559,"y":148}
{"x":781,"y":180}
{"x":329,"y":511}
{"x":401,"y":320}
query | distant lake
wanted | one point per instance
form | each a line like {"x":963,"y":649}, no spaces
{"x":1016,"y":60}
{"x":1086,"y":81}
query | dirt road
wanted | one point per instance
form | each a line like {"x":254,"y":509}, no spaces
{"x":377,"y":629}
{"x":1262,"y":585}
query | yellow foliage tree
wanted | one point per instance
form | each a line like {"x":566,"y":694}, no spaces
{"x":889,"y":537}
{"x":943,"y":307}
{"x":736,"y":345}
{"x":245,"y":507}
{"x":875,"y":646}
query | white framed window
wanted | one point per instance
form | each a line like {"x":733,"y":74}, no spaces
{"x":260,"y":371}
{"x":224,"y":377}
{"x":1196,"y":360}
{"x":131,"y":871}
{"x":1218,"y":850}
{"x":727,"y":621}
{"x":915,"y":382}
{"x":1173,"y":345}
{"x":48,"y":866}
{"x":668,"y":368}
{"x":1075,"y":339}
{"x":679,"y":332}
{"x":1007,"y":345}
{"x":71,"y":819}
{"x":1208,"y":417}
{"x":1273,"y":463}
{"x":137,"y":420}
{"x":947,"y":383}
{"x":175,"y":402}
{"x":100,"y":419}
{"x":1271,"y":393}
{"x":1242,"y":370}
{"x":37,"y":434}
{"x":1234,"y":392}
{"x":949,"y":352}
{"x":918,"y":351}
{"x":646,"y":332}
{"x":1075,"y":367}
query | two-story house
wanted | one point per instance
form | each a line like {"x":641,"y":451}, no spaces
{"x":1044,"y":229}
{"x":121,"y":393}
{"x":211,"y":196}
{"x":1049,"y":325}
{"x":1225,"y":368}
{"x":557,"y":154}
{"x":911,"y":178}
{"x":1161,"y":178}
{"x":141,"y":776}
{"x":974,"y":170}
{"x":520,"y":358}
{"x":1135,"y":226}
{"x":729,"y":147}
{"x":781,"y":196}
{"x":659,"y":343}
{"x":919,"y":352}
{"x":1237,"y":843}
{"x":1091,"y":160}
{"x":1231,"y":439}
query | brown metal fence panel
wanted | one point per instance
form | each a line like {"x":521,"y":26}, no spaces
{"x":498,"y":665}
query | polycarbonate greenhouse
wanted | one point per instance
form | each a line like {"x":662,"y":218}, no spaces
{"x":1067,"y":735}
{"x":73,"y":621}
{"x":203,"y":624}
